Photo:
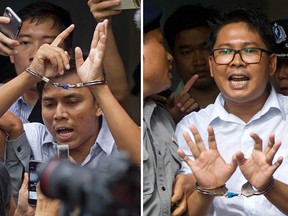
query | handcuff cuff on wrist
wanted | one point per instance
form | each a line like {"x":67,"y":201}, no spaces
{"x":65,"y":86}
{"x":247,"y":190}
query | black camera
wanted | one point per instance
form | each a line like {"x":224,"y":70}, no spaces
{"x":111,"y":188}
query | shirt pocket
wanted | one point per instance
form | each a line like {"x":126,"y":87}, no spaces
{"x":148,"y":174}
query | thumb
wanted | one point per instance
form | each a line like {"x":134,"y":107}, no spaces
{"x":239,"y":158}
{"x":177,"y":193}
{"x":24,"y":185}
{"x":78,"y":57}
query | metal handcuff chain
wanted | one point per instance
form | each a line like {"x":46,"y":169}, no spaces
{"x":65,"y":86}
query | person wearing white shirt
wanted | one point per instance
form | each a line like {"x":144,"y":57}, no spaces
{"x":237,"y":140}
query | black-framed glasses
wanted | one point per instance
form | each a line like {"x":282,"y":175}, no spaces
{"x":224,"y":56}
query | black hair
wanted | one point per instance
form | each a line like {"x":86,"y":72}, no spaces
{"x":5,"y":190}
{"x":255,"y":19}
{"x":186,"y":17}
{"x":72,"y":69}
{"x":41,"y":11}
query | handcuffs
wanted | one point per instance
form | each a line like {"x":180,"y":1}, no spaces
{"x":247,"y":190}
{"x":64,"y":86}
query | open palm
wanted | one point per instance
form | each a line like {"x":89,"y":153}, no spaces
{"x":258,"y":168}
{"x":209,"y":168}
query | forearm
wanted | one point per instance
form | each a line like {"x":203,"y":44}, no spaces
{"x":198,"y":204}
{"x":278,"y":196}
{"x":115,"y":71}
{"x":124,"y":130}
{"x":11,"y":127}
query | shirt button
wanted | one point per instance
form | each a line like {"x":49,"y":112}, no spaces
{"x":19,"y":149}
{"x":163,"y":188}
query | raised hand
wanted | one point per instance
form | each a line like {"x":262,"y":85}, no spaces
{"x":102,"y":10}
{"x":92,"y":68}
{"x":6,"y":44}
{"x":23,"y":208}
{"x":209,"y":168}
{"x":50,"y":59}
{"x":184,"y":103}
{"x":258,"y":168}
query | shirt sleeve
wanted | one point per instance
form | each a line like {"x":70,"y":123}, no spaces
{"x":17,"y":159}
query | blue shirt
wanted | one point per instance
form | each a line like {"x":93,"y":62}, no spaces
{"x":37,"y":143}
{"x":43,"y":145}
{"x":232,"y":134}
{"x":21,"y":109}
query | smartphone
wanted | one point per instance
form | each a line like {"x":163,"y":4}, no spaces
{"x":128,"y":4}
{"x":63,"y":151}
{"x":35,"y":169}
{"x":12,"y":28}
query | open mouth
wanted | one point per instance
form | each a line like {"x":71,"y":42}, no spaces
{"x":283,"y":89}
{"x":238,"y":79}
{"x":64,"y":133}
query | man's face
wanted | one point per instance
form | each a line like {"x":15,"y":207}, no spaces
{"x":281,"y":76}
{"x":31,"y":36}
{"x":191,"y":57}
{"x":71,"y":116}
{"x":156,"y":66}
{"x":238,"y":81}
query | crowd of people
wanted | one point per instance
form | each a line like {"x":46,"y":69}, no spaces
{"x":87,"y":114}
{"x":215,"y":145}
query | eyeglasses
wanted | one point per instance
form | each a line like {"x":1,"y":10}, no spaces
{"x":225,"y":56}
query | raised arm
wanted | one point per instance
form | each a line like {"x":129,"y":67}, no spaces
{"x":56,"y":57}
{"x":124,"y":130}
{"x":113,"y":65}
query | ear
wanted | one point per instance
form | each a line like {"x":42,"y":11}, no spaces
{"x":273,"y":64}
{"x":210,"y":65}
{"x":98,"y":110}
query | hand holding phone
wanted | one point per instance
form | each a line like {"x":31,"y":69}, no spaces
{"x":10,"y":25}
{"x":128,"y":4}
{"x":12,"y":28}
{"x":35,"y":169}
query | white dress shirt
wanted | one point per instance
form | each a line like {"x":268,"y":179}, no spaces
{"x":232,"y":135}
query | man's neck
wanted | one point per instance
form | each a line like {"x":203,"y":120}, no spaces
{"x":245,"y":111}
{"x":80,"y":153}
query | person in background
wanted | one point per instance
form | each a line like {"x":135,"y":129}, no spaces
{"x":41,"y":23}
{"x":233,"y":146}
{"x":160,"y":159}
{"x":280,"y":29}
{"x":186,"y":31}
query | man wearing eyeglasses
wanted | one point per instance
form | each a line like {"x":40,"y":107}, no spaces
{"x":233,"y":147}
